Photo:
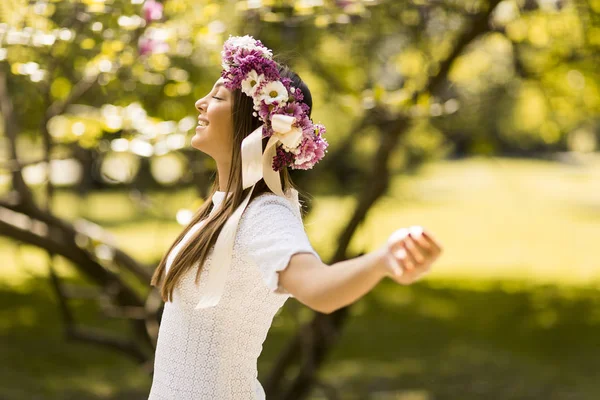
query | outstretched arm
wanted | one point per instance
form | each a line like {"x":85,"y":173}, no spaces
{"x":404,"y":258}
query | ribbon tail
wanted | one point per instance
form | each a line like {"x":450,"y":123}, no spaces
{"x":221,"y":259}
{"x":252,"y":158}
{"x":271,"y":177}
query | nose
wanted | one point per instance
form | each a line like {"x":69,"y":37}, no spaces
{"x":201,"y":105}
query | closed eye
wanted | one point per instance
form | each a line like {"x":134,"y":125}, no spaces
{"x":214,"y":97}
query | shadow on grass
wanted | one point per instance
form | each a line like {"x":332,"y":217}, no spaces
{"x":39,"y":363}
{"x":451,"y":340}
{"x":433,"y":340}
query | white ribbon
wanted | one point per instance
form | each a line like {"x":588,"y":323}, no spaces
{"x":256,"y":164}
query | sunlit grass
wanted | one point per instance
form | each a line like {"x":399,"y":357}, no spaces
{"x":532,"y":220}
{"x":510,"y":310}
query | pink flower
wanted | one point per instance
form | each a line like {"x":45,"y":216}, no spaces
{"x":343,"y":3}
{"x":152,"y":10}
{"x":148,"y":45}
{"x":307,"y":126}
{"x":312,"y":150}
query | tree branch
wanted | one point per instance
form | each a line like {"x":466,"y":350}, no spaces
{"x":325,"y":328}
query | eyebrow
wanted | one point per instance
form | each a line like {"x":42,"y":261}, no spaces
{"x":217,"y":86}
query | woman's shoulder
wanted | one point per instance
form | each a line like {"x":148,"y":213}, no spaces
{"x":269,"y":203}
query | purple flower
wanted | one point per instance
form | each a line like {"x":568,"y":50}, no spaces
{"x":293,"y":110}
{"x":152,"y":10}
{"x":298,"y":96}
{"x":307,"y":126}
{"x":305,"y":107}
{"x":282,"y":159}
{"x":238,"y":62}
{"x":249,"y":57}
{"x":267,"y":131}
{"x":267,"y":110}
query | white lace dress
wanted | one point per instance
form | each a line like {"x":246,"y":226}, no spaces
{"x":212,"y":353}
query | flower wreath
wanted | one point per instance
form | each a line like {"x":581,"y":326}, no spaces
{"x":248,"y":65}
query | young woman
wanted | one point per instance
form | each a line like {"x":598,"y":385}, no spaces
{"x":246,"y":251}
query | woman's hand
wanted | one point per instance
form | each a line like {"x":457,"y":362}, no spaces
{"x":408,"y":254}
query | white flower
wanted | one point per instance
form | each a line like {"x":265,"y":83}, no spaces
{"x":274,"y":92}
{"x":249,"y":43}
{"x":284,"y":131}
{"x":251,"y":82}
{"x":246,"y":41}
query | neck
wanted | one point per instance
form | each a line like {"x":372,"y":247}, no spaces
{"x":223,"y":174}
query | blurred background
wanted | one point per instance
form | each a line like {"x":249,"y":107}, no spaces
{"x":478,"y":120}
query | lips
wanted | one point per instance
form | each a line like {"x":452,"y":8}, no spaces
{"x":202,"y":121}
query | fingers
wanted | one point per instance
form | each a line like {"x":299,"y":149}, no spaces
{"x":437,"y":249}
{"x":423,"y":244}
{"x":409,"y":260}
{"x":413,"y":252}
{"x":407,"y":252}
{"x":419,"y":251}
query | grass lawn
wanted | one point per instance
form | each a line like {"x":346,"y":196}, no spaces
{"x":511,"y":311}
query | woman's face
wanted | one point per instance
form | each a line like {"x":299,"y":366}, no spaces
{"x":214,"y":132}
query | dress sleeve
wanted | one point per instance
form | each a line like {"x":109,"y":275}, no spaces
{"x":273,"y":233}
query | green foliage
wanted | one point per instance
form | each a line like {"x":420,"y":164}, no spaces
{"x":526,"y":87}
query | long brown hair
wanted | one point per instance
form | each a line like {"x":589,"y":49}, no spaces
{"x":202,"y":241}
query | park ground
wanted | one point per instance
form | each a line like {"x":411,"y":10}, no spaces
{"x":510,"y":311}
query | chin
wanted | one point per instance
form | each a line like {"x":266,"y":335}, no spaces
{"x":197,"y":142}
